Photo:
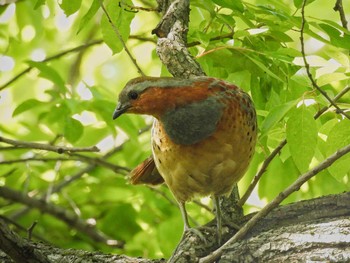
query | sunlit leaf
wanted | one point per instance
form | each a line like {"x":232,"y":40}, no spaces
{"x":121,"y":20}
{"x":89,"y":15}
{"x":27,"y":105}
{"x":234,"y":5}
{"x":49,"y":73}
{"x":302,"y":137}
{"x":70,"y":6}
{"x":338,"y":137}
{"x":275,"y":115}
{"x":73,"y":129}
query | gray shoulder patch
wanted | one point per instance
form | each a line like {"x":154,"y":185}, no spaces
{"x":194,"y":122}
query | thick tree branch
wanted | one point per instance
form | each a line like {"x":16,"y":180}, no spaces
{"x":18,"y":248}
{"x":171,"y":46}
{"x":275,"y":202}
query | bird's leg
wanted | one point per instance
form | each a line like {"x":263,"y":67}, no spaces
{"x":184,"y":216}
{"x":216,"y":200}
{"x":187,"y":227}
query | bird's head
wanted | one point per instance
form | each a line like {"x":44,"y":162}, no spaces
{"x":155,"y":96}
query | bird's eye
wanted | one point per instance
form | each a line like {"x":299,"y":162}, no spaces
{"x":133,"y":95}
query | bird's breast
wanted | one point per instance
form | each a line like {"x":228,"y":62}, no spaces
{"x":205,"y":148}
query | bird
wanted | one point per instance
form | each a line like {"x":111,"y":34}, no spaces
{"x":203,"y":136}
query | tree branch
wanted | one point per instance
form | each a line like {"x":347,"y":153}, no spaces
{"x":116,"y":31}
{"x":67,"y":180}
{"x":56,"y":56}
{"x":307,"y":66}
{"x":275,"y":202}
{"x":17,"y":248}
{"x":339,"y":7}
{"x":48,"y":147}
{"x":68,"y":217}
{"x":278,"y":149}
{"x":171,"y":45}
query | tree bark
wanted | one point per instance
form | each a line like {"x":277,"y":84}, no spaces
{"x":312,"y":230}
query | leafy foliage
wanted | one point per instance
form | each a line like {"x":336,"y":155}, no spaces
{"x":69,"y":83}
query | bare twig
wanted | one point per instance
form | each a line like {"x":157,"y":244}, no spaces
{"x":66,"y":216}
{"x":339,"y":7}
{"x":30,"y":229}
{"x":20,"y":227}
{"x":195,"y":43}
{"x":48,"y":147}
{"x":56,"y":56}
{"x":307,"y":66}
{"x":134,"y":8}
{"x":275,"y":202}
{"x":272,"y":155}
{"x":67,"y":180}
{"x":262,"y":170}
{"x":116,"y":31}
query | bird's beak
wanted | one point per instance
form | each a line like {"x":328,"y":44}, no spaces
{"x":120,"y":110}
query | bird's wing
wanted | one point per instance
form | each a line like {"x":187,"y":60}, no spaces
{"x":146,"y":173}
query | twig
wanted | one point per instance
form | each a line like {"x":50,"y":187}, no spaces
{"x":20,"y":227}
{"x":275,"y":202}
{"x":48,"y":147}
{"x":262,"y":170}
{"x":67,"y":180}
{"x":272,"y":155}
{"x":307,"y":66}
{"x":66,"y":216}
{"x":113,"y":167}
{"x":195,"y":43}
{"x":116,"y":31}
{"x":203,"y":206}
{"x":61,"y":54}
{"x":30,"y":230}
{"x":336,"y":98}
{"x":138,"y":8}
{"x":339,"y":7}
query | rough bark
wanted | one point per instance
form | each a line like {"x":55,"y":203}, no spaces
{"x":172,"y":39}
{"x":312,"y":230}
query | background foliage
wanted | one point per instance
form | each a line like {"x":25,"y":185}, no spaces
{"x":62,"y":66}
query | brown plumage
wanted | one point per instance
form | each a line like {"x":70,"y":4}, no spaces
{"x":203,"y":137}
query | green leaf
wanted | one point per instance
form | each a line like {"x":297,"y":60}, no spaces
{"x":121,"y":20}
{"x":73,"y":129}
{"x":90,"y":13}
{"x":39,"y":3}
{"x":302,"y":137}
{"x":49,"y":73}
{"x":335,"y":36}
{"x":339,"y":137}
{"x":275,"y":115}
{"x":70,"y":6}
{"x":234,"y":5}
{"x":27,"y":105}
{"x":299,"y":3}
{"x":329,"y":78}
{"x":278,"y":176}
{"x":263,"y":67}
